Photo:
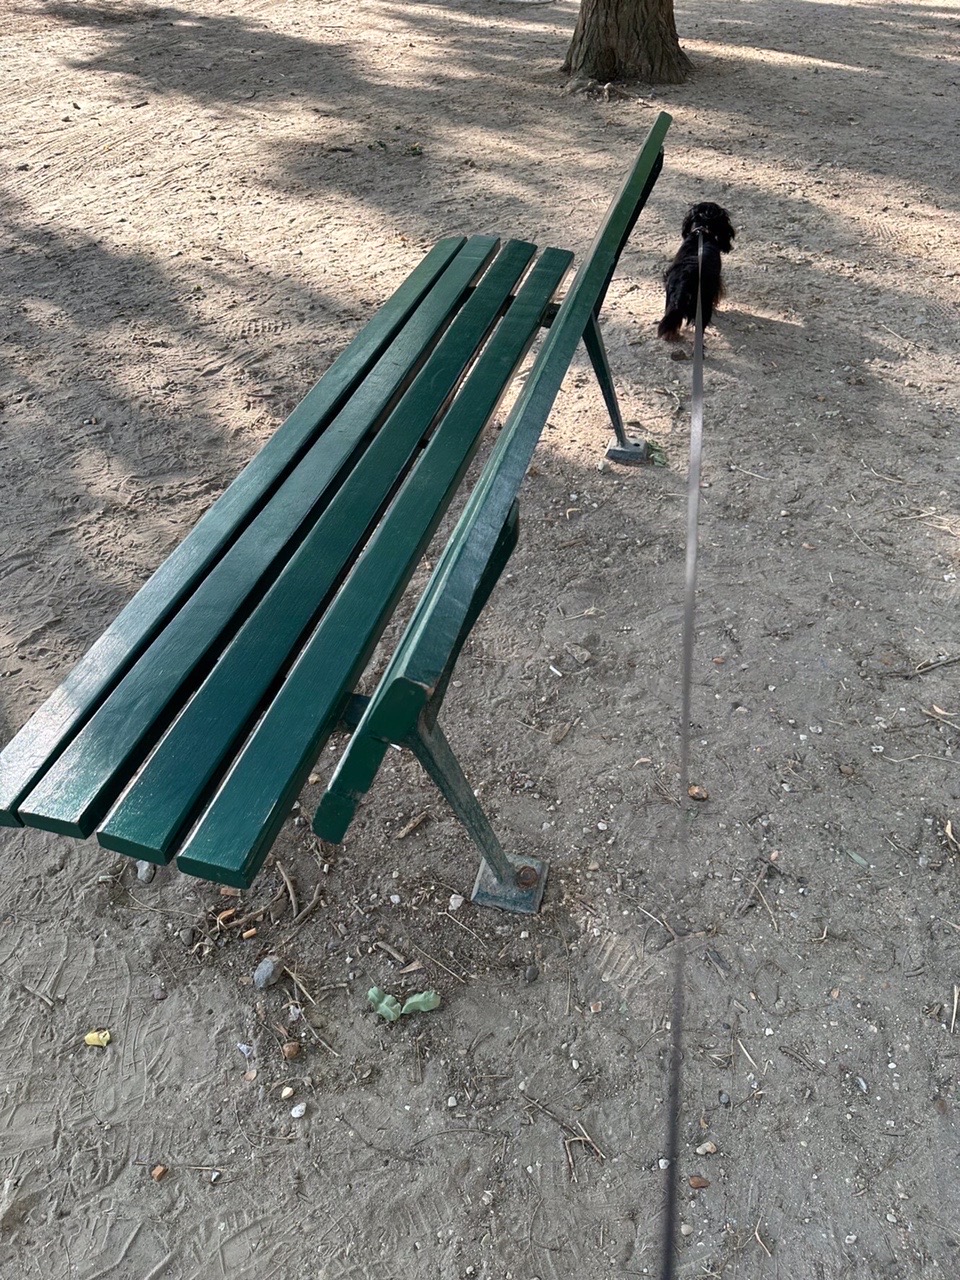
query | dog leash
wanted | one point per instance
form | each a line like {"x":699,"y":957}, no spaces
{"x":683,"y":836}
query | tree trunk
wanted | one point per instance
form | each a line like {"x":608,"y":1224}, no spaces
{"x":627,"y":40}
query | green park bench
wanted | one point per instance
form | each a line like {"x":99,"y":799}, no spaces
{"x":190,"y":727}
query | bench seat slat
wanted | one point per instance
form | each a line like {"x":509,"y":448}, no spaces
{"x":78,"y":788}
{"x":56,"y":722}
{"x":152,"y":815}
{"x":233,"y":835}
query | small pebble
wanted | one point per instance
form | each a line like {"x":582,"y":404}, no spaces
{"x":698,"y":1182}
{"x":290,"y":1049}
{"x":299,"y":1111}
{"x":707,"y":1149}
{"x":663,"y":1163}
{"x":456,"y":901}
{"x":452,"y":1101}
{"x":286,"y":1092}
{"x":575,"y":1064}
{"x":215,"y":1176}
{"x":531,"y":973}
{"x":268,"y":972}
{"x":724,"y":1098}
{"x":146,"y":871}
{"x":686,"y":1229}
{"x":851,"y":1239}
{"x":188,"y":936}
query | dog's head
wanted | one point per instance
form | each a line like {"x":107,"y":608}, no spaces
{"x":713,"y":220}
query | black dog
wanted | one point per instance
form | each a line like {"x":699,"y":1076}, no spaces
{"x":681,"y":278}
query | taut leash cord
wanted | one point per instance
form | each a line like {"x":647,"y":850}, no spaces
{"x":683,"y":839}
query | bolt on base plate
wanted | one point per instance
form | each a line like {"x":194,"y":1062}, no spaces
{"x":522,"y":894}
{"x":628,"y":451}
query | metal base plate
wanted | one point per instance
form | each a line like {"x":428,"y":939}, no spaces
{"x":490,"y":892}
{"x":632,"y":451}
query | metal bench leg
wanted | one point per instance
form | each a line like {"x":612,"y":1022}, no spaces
{"x":514,"y":884}
{"x":621,"y":449}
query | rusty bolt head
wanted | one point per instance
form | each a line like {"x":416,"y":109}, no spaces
{"x":527,"y":877}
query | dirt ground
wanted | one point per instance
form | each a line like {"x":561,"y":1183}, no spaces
{"x":202,"y":204}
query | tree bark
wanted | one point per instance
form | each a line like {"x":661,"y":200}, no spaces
{"x":627,"y":40}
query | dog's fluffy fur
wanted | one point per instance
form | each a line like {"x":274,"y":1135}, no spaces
{"x":681,"y":277}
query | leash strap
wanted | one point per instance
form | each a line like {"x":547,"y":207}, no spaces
{"x":683,"y":838}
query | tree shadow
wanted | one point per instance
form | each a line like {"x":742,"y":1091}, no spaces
{"x":112,"y":431}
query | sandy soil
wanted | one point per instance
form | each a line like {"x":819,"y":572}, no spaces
{"x":201,"y":205}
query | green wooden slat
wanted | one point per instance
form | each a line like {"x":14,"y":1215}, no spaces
{"x":57,"y":721}
{"x":233,"y":835}
{"x":430,"y":640}
{"x":76,"y":791}
{"x":151,"y":816}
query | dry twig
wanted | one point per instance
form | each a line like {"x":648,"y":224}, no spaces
{"x":756,"y":1236}
{"x":434,"y":960}
{"x":291,"y":892}
{"x":251,"y":916}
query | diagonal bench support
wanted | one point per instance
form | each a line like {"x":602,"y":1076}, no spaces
{"x":621,"y":449}
{"x":505,"y":881}
{"x":513,"y":884}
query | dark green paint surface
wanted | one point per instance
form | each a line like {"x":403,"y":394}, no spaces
{"x":435,"y":631}
{"x":76,"y":791}
{"x":153,"y":814}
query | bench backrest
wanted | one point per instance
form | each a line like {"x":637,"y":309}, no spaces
{"x":437,"y":622}
{"x":437,"y":627}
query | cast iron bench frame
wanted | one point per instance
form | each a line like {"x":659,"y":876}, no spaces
{"x":189,"y":728}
